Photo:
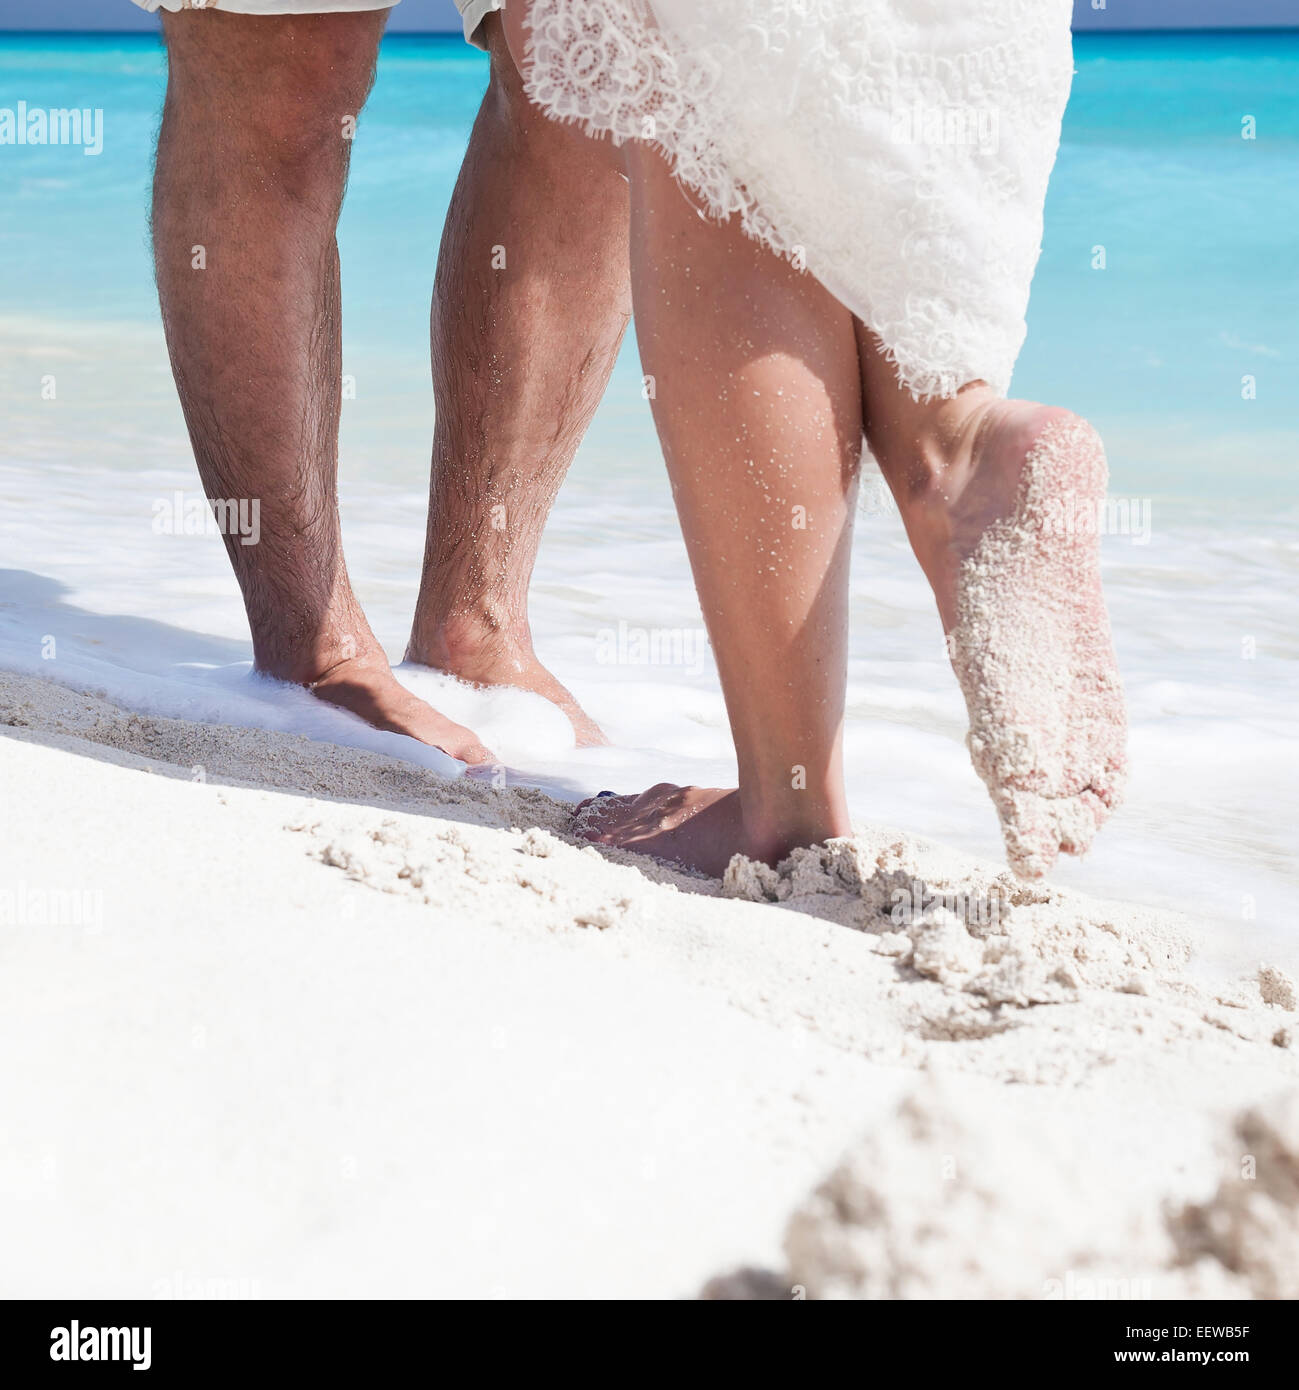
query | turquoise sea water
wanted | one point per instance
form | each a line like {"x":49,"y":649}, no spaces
{"x":1200,"y":230}
{"x":1198,"y":225}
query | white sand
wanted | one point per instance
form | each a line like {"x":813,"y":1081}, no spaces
{"x":327,"y":1024}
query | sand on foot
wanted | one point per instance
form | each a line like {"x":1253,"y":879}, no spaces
{"x":1033,"y":654}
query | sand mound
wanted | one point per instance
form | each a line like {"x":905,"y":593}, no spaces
{"x":938,"y":1203}
{"x":991,"y":940}
{"x":1251,"y":1224}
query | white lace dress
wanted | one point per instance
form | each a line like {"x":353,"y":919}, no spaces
{"x":899,"y":150}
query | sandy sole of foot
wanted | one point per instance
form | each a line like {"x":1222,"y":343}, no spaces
{"x":1034,"y":657}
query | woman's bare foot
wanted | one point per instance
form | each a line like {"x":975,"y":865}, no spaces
{"x":1007,"y":534}
{"x":699,"y":828}
{"x":492,"y":659}
{"x":366,"y":686}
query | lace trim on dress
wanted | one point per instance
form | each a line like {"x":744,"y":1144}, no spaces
{"x":899,"y":150}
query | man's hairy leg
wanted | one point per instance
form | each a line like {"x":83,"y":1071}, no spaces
{"x":252,"y":163}
{"x":531,"y":301}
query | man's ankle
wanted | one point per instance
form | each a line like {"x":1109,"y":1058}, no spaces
{"x":311,"y":660}
{"x":477,"y":638}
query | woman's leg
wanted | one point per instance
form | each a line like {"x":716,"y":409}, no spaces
{"x":758,"y":405}
{"x":1000,"y":500}
{"x":926,"y":452}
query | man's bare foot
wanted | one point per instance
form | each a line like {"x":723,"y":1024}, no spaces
{"x":695,"y":827}
{"x":1007,"y":535}
{"x":366,"y":685}
{"x":493,"y":659}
